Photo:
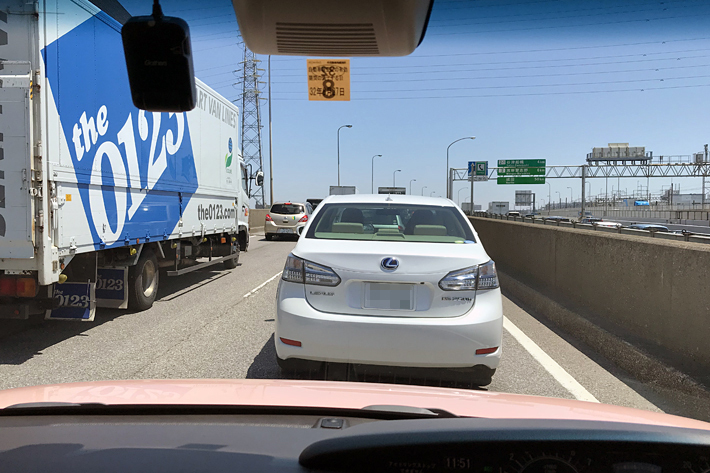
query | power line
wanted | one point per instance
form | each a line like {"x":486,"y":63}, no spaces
{"x":516,"y":95}
{"x":525,"y":86}
{"x":527,"y":76}
{"x":528,"y":51}
{"x":604,"y":63}
{"x":616,"y":56}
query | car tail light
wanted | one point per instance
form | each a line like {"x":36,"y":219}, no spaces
{"x":303,"y":219}
{"x":487,"y":276}
{"x":306,"y":272}
{"x":268,"y":218}
{"x":481,"y":277}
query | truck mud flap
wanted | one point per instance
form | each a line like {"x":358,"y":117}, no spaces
{"x":73,"y":301}
{"x":112,"y":288}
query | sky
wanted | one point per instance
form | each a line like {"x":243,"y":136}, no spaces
{"x":537,"y":79}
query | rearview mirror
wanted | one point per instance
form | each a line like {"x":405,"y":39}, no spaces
{"x":159,"y":62}
{"x":259,"y":179}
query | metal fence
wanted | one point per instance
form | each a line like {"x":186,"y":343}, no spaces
{"x":680,"y":236}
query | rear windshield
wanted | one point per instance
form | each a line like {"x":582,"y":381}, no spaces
{"x":287,"y":209}
{"x":390,"y":222}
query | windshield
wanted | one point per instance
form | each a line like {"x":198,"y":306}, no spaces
{"x":137,"y":245}
{"x":409,"y":223}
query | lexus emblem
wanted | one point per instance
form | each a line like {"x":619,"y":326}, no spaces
{"x":389,"y":263}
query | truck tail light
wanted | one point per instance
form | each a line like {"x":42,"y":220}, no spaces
{"x":303,"y":219}
{"x":8,"y":287}
{"x":268,"y":218}
{"x":26,"y":287}
{"x":18,"y":287}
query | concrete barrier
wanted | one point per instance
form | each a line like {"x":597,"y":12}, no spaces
{"x":651,"y":290}
{"x":256,"y":218}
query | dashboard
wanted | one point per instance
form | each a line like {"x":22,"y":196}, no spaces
{"x":340,"y":443}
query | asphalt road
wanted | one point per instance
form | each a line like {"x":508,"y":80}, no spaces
{"x":219,"y":324}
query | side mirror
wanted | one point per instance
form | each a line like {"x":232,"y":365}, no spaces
{"x":259,"y":179}
{"x":159,"y":62}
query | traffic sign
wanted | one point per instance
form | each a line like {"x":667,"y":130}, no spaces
{"x":477,"y":168}
{"x":521,"y":171}
{"x":522,"y":163}
{"x":521,"y":180}
{"x":329,"y":79}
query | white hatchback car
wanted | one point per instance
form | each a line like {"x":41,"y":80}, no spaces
{"x":421,"y":298}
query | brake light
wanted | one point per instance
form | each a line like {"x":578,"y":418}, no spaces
{"x":483,"y":276}
{"x":305,"y":272}
{"x":268,"y":218}
{"x":18,"y":287}
{"x":303,"y":219}
{"x":8,"y":287}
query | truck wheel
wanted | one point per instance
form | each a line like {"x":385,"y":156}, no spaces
{"x":143,"y":281}
{"x":232,"y":263}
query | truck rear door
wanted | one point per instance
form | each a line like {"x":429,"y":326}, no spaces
{"x":16,"y":214}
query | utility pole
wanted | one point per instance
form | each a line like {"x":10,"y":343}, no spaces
{"x":251,"y":120}
{"x":271,"y":147}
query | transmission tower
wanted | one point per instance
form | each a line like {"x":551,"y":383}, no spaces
{"x":251,"y":120}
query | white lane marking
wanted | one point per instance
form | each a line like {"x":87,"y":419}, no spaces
{"x":253,"y":291}
{"x":550,"y":365}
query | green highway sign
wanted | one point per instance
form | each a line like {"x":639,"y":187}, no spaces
{"x":522,"y":163}
{"x":521,"y":180}
{"x":521,"y":171}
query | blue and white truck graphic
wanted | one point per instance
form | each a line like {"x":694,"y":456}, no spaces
{"x":95,"y":194}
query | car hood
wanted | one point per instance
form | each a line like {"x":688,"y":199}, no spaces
{"x":333,"y":394}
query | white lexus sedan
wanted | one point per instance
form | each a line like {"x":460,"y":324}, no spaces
{"x":419,"y":298}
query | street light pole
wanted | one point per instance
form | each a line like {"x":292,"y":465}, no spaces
{"x":571,"y":199}
{"x":560,"y":197}
{"x":448,"y":177}
{"x":373,"y":171}
{"x":432,"y":193}
{"x":549,"y":198}
{"x":423,"y":190}
{"x":394,"y":174}
{"x":410,"y":185}
{"x":344,"y":126}
{"x":458,"y":196}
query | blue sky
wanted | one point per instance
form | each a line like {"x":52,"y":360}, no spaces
{"x":537,"y":79}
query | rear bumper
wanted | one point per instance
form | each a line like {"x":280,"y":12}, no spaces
{"x":273,"y":228}
{"x":446,"y":342}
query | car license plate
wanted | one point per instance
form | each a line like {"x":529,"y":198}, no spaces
{"x":284,"y":230}
{"x":388,"y":296}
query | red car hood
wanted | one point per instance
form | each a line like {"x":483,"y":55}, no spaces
{"x":333,"y":394}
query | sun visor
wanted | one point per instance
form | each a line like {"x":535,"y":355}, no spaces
{"x":333,"y":28}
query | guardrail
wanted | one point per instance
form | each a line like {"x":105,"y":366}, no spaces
{"x":682,"y":236}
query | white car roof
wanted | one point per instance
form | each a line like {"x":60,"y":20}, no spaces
{"x":388,"y":198}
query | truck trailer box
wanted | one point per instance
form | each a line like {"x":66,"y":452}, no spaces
{"x":85,"y":173}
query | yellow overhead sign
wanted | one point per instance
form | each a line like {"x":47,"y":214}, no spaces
{"x":329,"y":79}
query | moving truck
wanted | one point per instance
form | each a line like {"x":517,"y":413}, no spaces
{"x":96,"y":195}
